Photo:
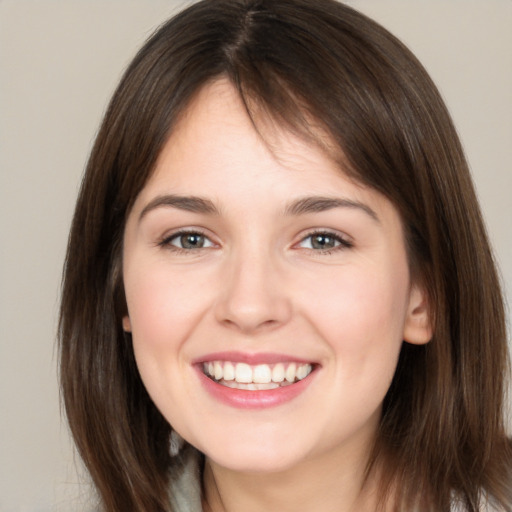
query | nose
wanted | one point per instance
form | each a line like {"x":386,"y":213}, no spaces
{"x":253,"y":295}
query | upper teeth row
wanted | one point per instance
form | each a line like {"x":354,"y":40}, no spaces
{"x":261,"y":373}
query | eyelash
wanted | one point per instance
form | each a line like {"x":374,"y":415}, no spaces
{"x":166,"y":242}
{"x":341,"y":243}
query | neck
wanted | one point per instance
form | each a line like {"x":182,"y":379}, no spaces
{"x":331,"y":483}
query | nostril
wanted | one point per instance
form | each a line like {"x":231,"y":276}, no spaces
{"x":245,"y":325}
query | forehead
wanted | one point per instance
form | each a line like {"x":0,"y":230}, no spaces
{"x":217,"y":123}
{"x":217,"y":151}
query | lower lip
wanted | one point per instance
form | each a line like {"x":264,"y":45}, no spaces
{"x":248,"y":399}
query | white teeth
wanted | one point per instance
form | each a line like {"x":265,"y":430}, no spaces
{"x":243,"y":373}
{"x":261,"y":376}
{"x":251,"y":386}
{"x":229,"y":371}
{"x":217,"y":370}
{"x":278,"y":373}
{"x":290,"y":373}
{"x":302,"y":372}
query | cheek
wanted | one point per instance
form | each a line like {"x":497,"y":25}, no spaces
{"x":162,"y":307}
{"x":360,"y":311}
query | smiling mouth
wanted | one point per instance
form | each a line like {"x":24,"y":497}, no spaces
{"x":256,"y":377}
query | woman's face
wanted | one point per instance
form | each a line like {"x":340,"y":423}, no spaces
{"x":268,"y":295}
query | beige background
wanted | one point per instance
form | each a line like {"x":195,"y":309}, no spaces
{"x":59,"y":63}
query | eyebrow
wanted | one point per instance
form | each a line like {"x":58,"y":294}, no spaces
{"x":316,"y":204}
{"x":187,"y":203}
{"x":313,"y":204}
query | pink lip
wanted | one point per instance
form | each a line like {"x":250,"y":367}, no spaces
{"x":246,"y":399}
{"x":252,"y":359}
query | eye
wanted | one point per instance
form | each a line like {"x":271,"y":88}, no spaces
{"x":187,"y":240}
{"x":324,"y":241}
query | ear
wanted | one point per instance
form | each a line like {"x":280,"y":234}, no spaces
{"x":127,"y":325}
{"x":418,"y":323}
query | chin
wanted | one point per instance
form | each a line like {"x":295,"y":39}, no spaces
{"x":254,"y":461}
{"x":253,"y":452}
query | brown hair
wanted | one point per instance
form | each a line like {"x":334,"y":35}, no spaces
{"x":442,"y":436}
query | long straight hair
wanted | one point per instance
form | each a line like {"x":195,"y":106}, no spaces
{"x":442,"y":437}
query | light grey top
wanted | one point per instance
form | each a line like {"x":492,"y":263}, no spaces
{"x":185,"y":486}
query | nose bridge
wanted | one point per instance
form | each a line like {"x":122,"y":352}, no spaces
{"x":253,"y":295}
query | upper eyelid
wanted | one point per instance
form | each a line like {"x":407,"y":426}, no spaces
{"x":344,"y":242}
{"x":169,"y":236}
{"x":343,"y":237}
{"x":326,"y":231}
{"x":183,"y":231}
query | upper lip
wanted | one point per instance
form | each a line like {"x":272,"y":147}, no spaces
{"x":252,"y":358}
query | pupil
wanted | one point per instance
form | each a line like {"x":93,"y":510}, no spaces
{"x":322,"y":242}
{"x":192,"y":241}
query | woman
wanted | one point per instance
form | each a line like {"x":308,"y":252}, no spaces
{"x":279,"y":292}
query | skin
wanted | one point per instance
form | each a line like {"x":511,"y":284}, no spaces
{"x":260,"y":284}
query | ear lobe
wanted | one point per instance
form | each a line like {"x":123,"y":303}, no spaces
{"x":127,"y":325}
{"x":418,"y":328}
